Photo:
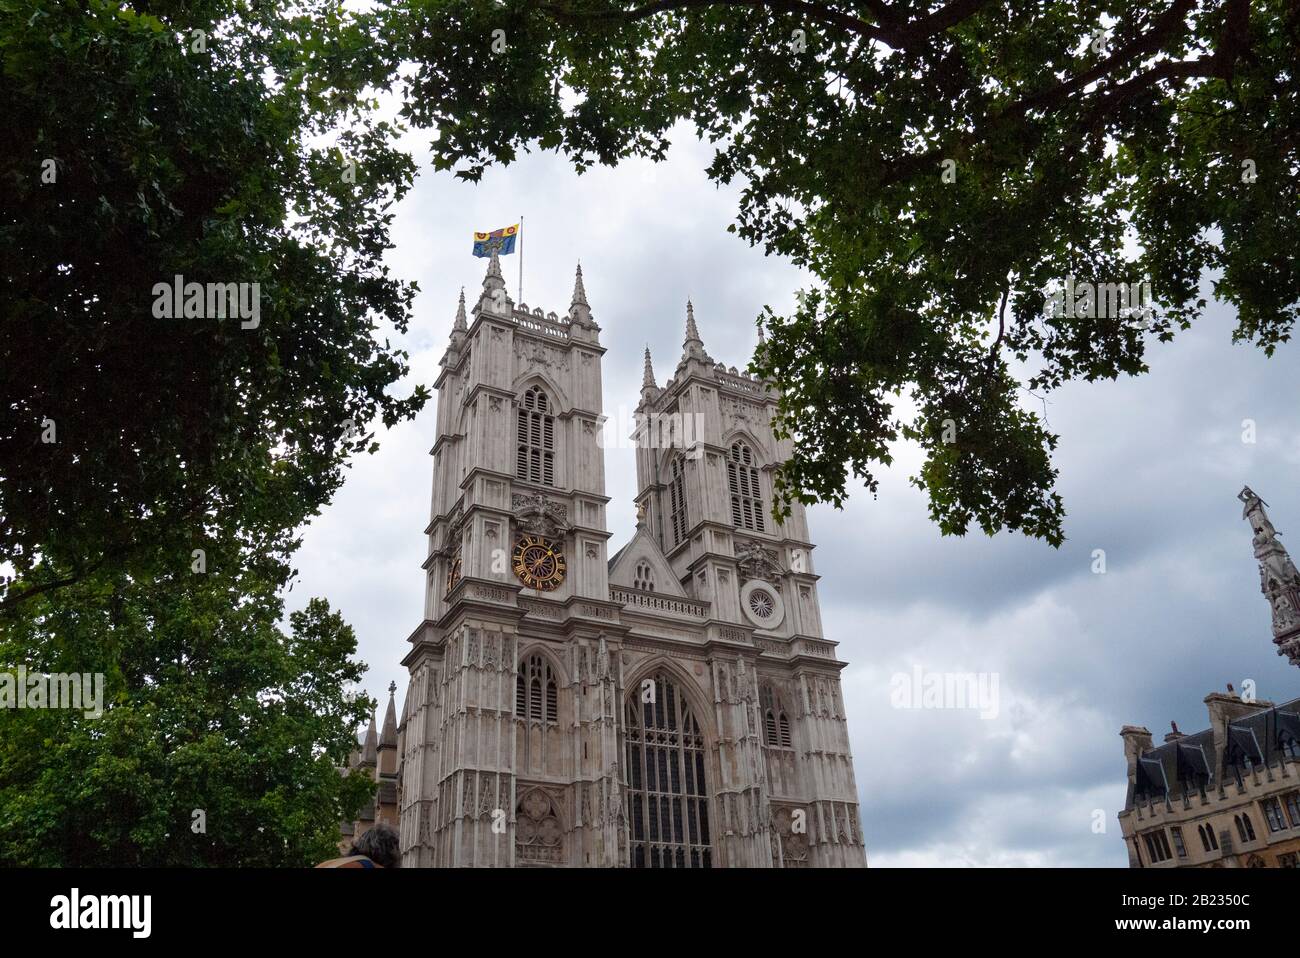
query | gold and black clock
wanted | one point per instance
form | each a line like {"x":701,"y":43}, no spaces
{"x":453,"y":570}
{"x":539,"y":563}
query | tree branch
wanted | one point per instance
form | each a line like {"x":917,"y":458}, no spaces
{"x":889,"y":29}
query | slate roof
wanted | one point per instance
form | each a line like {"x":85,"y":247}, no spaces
{"x":1191,"y":761}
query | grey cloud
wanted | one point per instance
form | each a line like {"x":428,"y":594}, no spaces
{"x":1150,"y":468}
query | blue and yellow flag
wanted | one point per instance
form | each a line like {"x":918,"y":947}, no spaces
{"x":502,"y":240}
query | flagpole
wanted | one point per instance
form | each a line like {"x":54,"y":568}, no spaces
{"x":521,"y":258}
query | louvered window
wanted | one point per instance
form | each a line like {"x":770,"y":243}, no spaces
{"x":746,"y":495}
{"x":677,"y":500}
{"x":537,"y":695}
{"x":535,"y":450}
{"x":776,"y":724}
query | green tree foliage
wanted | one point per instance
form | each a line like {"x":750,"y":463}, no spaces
{"x":208,"y":705}
{"x":211,"y":140}
{"x":1106,"y":140}
{"x":226,"y":142}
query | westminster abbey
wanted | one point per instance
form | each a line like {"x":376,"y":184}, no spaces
{"x":668,"y":704}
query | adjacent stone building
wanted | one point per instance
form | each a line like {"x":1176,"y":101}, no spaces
{"x":672,"y":705}
{"x":1228,"y":796}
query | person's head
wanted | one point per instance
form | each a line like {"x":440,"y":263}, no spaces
{"x":379,"y":844}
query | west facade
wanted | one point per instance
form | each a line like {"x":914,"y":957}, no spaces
{"x":671,"y":703}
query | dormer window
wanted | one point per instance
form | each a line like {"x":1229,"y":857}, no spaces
{"x":535,"y":452}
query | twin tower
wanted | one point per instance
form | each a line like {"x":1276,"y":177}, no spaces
{"x":672,"y":705}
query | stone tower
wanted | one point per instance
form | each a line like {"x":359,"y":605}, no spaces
{"x":673,"y":706}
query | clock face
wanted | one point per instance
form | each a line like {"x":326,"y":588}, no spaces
{"x":539,"y":563}
{"x":453,"y":571}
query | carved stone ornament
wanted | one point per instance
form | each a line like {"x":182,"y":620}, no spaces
{"x":755,"y":562}
{"x":1278,"y":579}
{"x":538,"y":834}
{"x":455,"y":532}
{"x":539,"y":516}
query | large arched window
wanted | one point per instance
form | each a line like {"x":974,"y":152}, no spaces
{"x":746,"y":495}
{"x":667,"y":796}
{"x":677,"y":499}
{"x":535,"y":453}
{"x":536,"y":693}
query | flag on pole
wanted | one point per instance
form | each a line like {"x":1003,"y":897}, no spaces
{"x":502,"y":240}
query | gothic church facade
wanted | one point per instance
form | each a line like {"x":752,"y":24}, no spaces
{"x":674,"y":704}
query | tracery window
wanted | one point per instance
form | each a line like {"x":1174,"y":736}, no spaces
{"x":667,"y":796}
{"x":535,"y":452}
{"x":677,"y":500}
{"x":746,"y":495}
{"x":536,"y":692}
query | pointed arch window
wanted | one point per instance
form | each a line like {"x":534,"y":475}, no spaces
{"x":1244,"y":827}
{"x":535,"y":450}
{"x":537,"y":695}
{"x":746,"y":494}
{"x":677,"y":500}
{"x":776,"y":723}
{"x":1207,"y":837}
{"x":667,"y":795}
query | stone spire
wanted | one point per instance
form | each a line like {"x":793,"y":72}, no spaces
{"x":494,"y":277}
{"x":693,"y":346}
{"x":493,"y":299}
{"x":370,"y":751}
{"x":459,"y":330}
{"x":1278,"y":579}
{"x":579,"y":308}
{"x":649,"y":390}
{"x":579,"y":291}
{"x":388,"y":738}
{"x":460,"y":325}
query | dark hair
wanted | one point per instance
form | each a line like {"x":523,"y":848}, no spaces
{"x":379,"y":844}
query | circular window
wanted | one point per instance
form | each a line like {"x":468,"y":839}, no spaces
{"x":762,"y":605}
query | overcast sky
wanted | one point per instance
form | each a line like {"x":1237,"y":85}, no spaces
{"x":1150,"y":470}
